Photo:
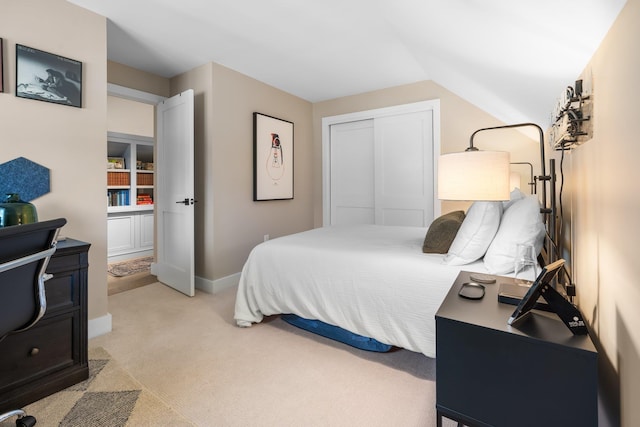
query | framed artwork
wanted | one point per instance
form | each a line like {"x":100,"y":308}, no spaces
{"x":1,"y":66}
{"x":272,"y":158}
{"x":47,"y":77}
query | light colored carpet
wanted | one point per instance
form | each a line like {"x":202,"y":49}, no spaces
{"x":188,"y":352}
{"x":109,"y":397}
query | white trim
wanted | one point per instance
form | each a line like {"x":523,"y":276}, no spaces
{"x":129,"y":138}
{"x":437,"y":211}
{"x":153,"y":269}
{"x":133,"y":94}
{"x":99,"y":326}
{"x":431,"y":105}
{"x":209,"y":286}
{"x":218,"y":285}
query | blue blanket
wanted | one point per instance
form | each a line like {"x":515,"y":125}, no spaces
{"x":336,"y":333}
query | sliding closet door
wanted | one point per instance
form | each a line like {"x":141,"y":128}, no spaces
{"x":404,"y":170}
{"x":352,"y":173}
{"x":381,"y":169}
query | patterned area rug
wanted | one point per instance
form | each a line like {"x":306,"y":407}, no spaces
{"x":126,"y":268}
{"x":110,"y":397}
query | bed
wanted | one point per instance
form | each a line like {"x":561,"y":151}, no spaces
{"x":371,"y":280}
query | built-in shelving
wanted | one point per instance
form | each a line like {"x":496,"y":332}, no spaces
{"x":130,"y":195}
{"x":131,"y":187}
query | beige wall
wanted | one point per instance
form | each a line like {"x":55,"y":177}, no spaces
{"x":123,"y":75}
{"x":239,"y":222}
{"x":458,"y":120}
{"x":602,"y":178}
{"x":131,"y":117}
{"x":228,"y":222}
{"x":71,"y":142}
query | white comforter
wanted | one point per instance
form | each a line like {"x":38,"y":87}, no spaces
{"x":371,"y":280}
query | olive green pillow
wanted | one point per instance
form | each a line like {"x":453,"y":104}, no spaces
{"x":441,"y":233}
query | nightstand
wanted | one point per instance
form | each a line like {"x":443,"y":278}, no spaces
{"x":535,"y":373}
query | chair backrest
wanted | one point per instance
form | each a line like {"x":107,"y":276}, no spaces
{"x":24,"y":253}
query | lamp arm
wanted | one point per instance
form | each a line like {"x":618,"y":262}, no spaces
{"x":541,"y":140}
{"x":543,"y":176}
{"x":532,"y":179}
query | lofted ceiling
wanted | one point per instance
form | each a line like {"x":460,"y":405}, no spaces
{"x":510,"y":58}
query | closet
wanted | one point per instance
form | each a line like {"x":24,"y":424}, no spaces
{"x":379,"y":166}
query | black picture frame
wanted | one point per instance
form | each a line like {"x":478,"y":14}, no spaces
{"x":44,"y":76}
{"x":272,"y":158}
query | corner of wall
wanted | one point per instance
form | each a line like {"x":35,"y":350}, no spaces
{"x":99,"y":326}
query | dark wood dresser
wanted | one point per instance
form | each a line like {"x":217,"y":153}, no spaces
{"x":52,"y":355}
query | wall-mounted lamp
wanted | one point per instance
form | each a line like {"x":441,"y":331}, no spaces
{"x":484,"y":175}
{"x":532,"y":179}
{"x":542,"y":177}
{"x":478,"y":175}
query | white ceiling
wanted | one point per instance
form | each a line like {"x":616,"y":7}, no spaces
{"x":510,"y":58}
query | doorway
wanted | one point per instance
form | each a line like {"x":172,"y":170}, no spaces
{"x":130,"y":188}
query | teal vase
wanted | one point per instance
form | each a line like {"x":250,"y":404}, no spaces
{"x":15,"y":211}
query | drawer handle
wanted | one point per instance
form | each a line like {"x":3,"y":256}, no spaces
{"x":34,"y":351}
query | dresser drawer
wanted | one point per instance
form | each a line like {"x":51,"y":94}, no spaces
{"x":41,"y":350}
{"x":63,"y":260}
{"x":62,"y":291}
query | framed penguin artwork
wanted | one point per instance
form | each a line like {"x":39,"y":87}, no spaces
{"x":272,"y":158}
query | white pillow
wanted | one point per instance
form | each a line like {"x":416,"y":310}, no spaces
{"x":514,"y":196}
{"x":475,"y":234}
{"x":521,"y":223}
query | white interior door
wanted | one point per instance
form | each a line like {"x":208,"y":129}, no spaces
{"x":175,"y":198}
{"x":352,"y":173}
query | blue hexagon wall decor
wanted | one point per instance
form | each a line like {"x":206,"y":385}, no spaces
{"x":29,"y":179}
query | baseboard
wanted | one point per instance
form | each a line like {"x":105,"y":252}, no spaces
{"x":129,"y":255}
{"x":218,"y":285}
{"x":206,"y":285}
{"x":99,"y":326}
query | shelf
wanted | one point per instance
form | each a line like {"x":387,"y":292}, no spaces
{"x":126,"y":186}
{"x":130,"y":226}
{"x":128,"y":208}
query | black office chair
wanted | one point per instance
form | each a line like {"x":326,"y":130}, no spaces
{"x":25,"y":251}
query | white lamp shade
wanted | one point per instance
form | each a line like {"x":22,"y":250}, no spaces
{"x":474,"y":175}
